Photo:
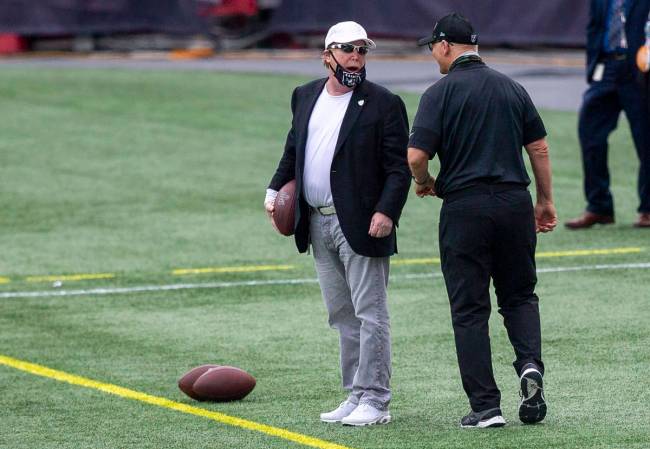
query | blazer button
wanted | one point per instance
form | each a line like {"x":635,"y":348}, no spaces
{"x":333,"y":171}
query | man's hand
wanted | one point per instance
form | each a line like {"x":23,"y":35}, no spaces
{"x":545,"y":217}
{"x":426,"y":189}
{"x":270,"y":208}
{"x":419,"y":164}
{"x":380,"y":225}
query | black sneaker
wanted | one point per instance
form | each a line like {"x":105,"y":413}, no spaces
{"x":532,"y":408}
{"x":481,"y":420}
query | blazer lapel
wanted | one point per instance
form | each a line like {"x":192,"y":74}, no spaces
{"x":357,"y":103}
{"x":305,"y":115}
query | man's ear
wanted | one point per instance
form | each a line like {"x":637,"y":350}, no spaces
{"x":327,"y":58}
{"x":446,"y":48}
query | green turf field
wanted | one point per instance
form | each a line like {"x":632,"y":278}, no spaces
{"x":135,"y":174}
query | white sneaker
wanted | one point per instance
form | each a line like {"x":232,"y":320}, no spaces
{"x":339,"y":413}
{"x":366,"y":415}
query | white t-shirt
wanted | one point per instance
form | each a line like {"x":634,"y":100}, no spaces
{"x":323,"y":132}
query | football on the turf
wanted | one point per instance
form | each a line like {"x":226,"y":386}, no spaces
{"x":285,"y":208}
{"x":224,"y":383}
{"x":186,"y":382}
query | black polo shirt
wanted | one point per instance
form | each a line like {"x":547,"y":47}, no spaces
{"x":476,"y":120}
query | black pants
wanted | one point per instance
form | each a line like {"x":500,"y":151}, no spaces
{"x":602,"y":105}
{"x":489,"y":232}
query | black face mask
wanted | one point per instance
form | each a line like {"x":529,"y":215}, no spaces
{"x":465,"y":60}
{"x":346,"y":78}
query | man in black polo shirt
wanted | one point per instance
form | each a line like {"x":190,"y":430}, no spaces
{"x":477,"y":121}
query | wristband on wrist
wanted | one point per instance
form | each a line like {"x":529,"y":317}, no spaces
{"x":270,"y":196}
{"x":423,"y":182}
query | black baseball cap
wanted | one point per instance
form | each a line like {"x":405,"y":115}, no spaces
{"x":452,"y":28}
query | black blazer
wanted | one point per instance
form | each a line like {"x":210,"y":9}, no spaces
{"x":369,"y":170}
{"x":636,"y":12}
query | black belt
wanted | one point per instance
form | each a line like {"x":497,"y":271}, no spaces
{"x":613,"y":57}
{"x":483,"y":188}
{"x":325,"y":210}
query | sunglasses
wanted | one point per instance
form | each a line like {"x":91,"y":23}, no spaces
{"x":349,"y":48}
{"x":431,"y":44}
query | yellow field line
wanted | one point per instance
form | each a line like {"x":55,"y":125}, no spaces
{"x":222,"y":418}
{"x":258,"y":268}
{"x":242,"y":269}
{"x":425,"y":261}
{"x":544,"y":254}
{"x":70,"y":277}
{"x":589,"y":252}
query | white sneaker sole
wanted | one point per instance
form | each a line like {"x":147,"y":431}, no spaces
{"x":497,"y":421}
{"x":331,"y":420}
{"x":529,"y":370}
{"x":383,"y":420}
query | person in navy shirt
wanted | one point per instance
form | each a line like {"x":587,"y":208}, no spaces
{"x":614,"y":34}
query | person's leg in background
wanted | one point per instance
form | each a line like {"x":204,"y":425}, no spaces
{"x":598,"y":117}
{"x":635,"y":104}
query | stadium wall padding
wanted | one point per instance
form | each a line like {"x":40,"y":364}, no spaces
{"x":498,"y":22}
{"x":69,"y":17}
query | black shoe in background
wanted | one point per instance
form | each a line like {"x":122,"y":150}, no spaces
{"x":484,"y":419}
{"x":532,"y":408}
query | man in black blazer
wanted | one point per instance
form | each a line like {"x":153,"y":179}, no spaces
{"x":614,"y":34}
{"x":347,"y":152}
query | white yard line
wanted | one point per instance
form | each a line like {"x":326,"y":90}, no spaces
{"x":260,"y":282}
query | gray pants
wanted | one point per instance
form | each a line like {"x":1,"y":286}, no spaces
{"x":354,"y":291}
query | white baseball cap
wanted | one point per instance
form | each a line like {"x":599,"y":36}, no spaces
{"x":345,"y":32}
